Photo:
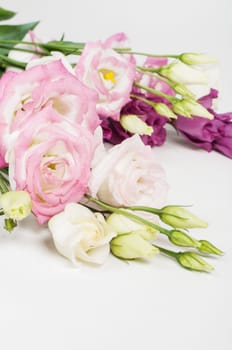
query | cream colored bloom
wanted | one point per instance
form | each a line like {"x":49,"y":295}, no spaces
{"x":81,"y":235}
{"x":16,"y":204}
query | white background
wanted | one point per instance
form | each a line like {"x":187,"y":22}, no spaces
{"x":45,"y":303}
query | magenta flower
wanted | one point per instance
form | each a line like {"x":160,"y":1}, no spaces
{"x":208,"y":134}
{"x":114,"y":133}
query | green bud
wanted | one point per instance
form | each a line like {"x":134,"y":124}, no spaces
{"x":179,"y":217}
{"x":163,"y":109}
{"x":181,"y":73}
{"x":16,"y":204}
{"x":121,"y":225}
{"x":193,"y":261}
{"x":9,"y":224}
{"x":196,"y":109}
{"x":180,"y":109}
{"x":182,"y":239}
{"x":182,"y":90}
{"x":209,"y":248}
{"x":132,"y":246}
{"x":135,"y":125}
{"x":196,"y":58}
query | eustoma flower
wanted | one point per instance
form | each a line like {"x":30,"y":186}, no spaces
{"x":114,"y":133}
{"x":53,"y":167}
{"x":27,"y":92}
{"x":208,"y":134}
{"x":109,"y":73}
{"x":80,"y":235}
{"x":129,"y":175}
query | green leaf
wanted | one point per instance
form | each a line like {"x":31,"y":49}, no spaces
{"x":67,"y":47}
{"x":14,"y":32}
{"x":6,"y":14}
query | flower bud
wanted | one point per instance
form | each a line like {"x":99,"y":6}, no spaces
{"x":180,"y":73}
{"x":179,"y":217}
{"x":182,"y":239}
{"x":193,"y":261}
{"x":121,"y":224}
{"x":16,"y":204}
{"x":179,"y":109}
{"x":9,"y":224}
{"x":163,"y":109}
{"x":196,"y":109}
{"x":182,"y":90}
{"x":132,"y":246}
{"x":209,"y":248}
{"x":135,"y":125}
{"x":196,"y":58}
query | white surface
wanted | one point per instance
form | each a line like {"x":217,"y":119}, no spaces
{"x":45,"y":303}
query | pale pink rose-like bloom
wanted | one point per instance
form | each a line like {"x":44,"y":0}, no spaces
{"x":129,"y":175}
{"x":51,"y":160}
{"x":109,"y":73}
{"x":27,"y":92}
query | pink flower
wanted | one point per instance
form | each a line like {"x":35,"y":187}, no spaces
{"x":109,"y":73}
{"x":27,"y":92}
{"x":129,"y":175}
{"x":51,"y":160}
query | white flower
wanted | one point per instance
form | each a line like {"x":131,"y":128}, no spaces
{"x":129,"y":175}
{"x":16,"y":204}
{"x":81,"y":235}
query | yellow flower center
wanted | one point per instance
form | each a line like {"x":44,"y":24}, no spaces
{"x":108,"y":75}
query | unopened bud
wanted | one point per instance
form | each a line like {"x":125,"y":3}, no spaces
{"x":193,"y":261}
{"x":181,"y":73}
{"x":163,"y":109}
{"x":132,"y":246}
{"x":182,"y":239}
{"x":179,"y":217}
{"x":121,"y":225}
{"x":135,"y":125}
{"x":196,"y":58}
{"x":9,"y":224}
{"x":182,"y":90}
{"x":196,"y":109}
{"x":179,"y":109}
{"x":209,"y":248}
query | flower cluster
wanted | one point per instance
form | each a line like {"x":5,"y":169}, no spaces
{"x":56,"y":115}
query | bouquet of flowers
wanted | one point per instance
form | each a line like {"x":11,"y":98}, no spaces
{"x":60,"y":102}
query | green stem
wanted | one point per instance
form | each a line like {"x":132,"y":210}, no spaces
{"x":167,"y":251}
{"x":13,"y":48}
{"x":157,"y":92}
{"x":150,"y":70}
{"x":128,"y":51}
{"x":6,"y":61}
{"x":146,"y":209}
{"x":128,"y":214}
{"x":150,"y":103}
